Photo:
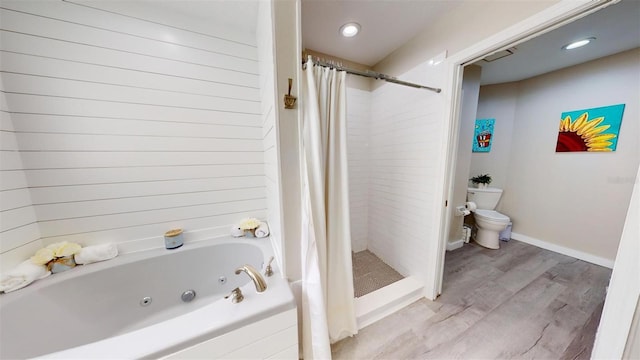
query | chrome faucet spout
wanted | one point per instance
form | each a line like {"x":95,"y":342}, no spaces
{"x":255,"y":276}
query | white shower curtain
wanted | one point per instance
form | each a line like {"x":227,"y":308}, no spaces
{"x":327,"y":291}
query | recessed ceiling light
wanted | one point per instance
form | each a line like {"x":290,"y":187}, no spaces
{"x":350,"y":29}
{"x":577,"y":44}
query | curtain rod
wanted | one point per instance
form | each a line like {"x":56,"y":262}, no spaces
{"x":370,"y":74}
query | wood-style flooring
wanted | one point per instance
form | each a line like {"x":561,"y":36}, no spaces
{"x":518,"y":302}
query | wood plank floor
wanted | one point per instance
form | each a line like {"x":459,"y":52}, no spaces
{"x":518,"y":302}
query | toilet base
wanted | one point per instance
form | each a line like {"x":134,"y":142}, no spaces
{"x":487,"y":238}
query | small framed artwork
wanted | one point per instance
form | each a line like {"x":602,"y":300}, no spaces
{"x":483,"y":135}
{"x":592,"y":130}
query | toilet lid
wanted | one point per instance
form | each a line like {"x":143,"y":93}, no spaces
{"x":492,"y":215}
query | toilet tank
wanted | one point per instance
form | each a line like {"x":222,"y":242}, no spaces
{"x":484,"y":198}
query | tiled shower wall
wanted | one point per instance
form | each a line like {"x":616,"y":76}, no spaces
{"x":404,"y":146}
{"x":127,"y":121}
{"x":358,"y":129}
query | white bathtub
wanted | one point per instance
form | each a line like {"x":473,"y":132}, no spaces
{"x":95,"y":311}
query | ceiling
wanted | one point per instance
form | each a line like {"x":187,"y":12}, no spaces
{"x":616,"y":28}
{"x":386,"y":25}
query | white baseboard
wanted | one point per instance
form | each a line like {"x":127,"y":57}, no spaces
{"x":564,"y":250}
{"x":456,"y":244}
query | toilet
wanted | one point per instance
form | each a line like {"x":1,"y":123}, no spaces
{"x":489,"y":222}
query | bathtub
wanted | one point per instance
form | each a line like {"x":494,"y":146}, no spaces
{"x":103,"y":310}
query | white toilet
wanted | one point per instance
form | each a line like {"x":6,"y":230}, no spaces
{"x":488,"y":221}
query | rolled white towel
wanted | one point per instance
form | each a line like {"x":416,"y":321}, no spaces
{"x":236,"y":231}
{"x":23,"y":275}
{"x":262,"y":230}
{"x":95,"y":253}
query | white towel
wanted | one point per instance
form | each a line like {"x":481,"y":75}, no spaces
{"x":262,"y":230}
{"x":23,"y":275}
{"x":95,"y":253}
{"x":236,"y":231}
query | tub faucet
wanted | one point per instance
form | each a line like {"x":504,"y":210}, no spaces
{"x":258,"y":280}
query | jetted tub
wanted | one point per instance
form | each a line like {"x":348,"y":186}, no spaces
{"x":99,"y":310}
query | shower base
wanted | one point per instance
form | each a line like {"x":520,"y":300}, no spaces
{"x":370,"y":273}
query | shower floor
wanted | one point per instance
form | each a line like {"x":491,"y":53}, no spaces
{"x":370,"y":273}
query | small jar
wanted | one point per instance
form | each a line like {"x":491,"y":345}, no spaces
{"x":173,"y":239}
{"x":61,"y":264}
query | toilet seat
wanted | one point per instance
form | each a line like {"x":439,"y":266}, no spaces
{"x":492,"y":216}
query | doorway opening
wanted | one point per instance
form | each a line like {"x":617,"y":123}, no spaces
{"x":547,"y":21}
{"x":522,"y":92}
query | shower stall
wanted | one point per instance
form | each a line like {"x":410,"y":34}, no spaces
{"x":389,"y":143}
{"x":370,"y":272}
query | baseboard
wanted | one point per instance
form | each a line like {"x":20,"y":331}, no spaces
{"x":563,"y":250}
{"x":384,"y":302}
{"x":456,"y":244}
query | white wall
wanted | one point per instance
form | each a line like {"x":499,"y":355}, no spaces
{"x":573,"y":200}
{"x":131,"y":121}
{"x":18,"y":226}
{"x":632,"y":348}
{"x":498,"y":102}
{"x":468,"y":108}
{"x":358,"y":137}
{"x":405,"y":139}
{"x":617,"y":335}
{"x":288,"y":45}
{"x":270,"y":131}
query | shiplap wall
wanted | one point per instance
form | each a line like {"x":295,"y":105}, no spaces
{"x":129,"y":126}
{"x":358,"y":132}
{"x":405,"y":140}
{"x":18,"y":226}
{"x":264,"y":35}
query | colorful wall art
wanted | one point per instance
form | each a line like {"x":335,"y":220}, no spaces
{"x":593,"y":130}
{"x":483,"y":135}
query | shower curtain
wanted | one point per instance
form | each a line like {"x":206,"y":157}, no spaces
{"x":328,"y":305}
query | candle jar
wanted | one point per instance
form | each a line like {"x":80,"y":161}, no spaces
{"x":61,"y":264}
{"x":173,"y":239}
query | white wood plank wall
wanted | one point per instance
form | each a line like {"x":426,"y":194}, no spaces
{"x":18,"y":225}
{"x":268,"y":111}
{"x":404,"y":156}
{"x":129,"y":121}
{"x":358,"y":137}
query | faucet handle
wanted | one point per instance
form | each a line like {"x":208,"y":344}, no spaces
{"x":268,"y":271}
{"x":236,"y":296}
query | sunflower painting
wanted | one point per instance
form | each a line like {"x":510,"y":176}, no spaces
{"x":593,"y":130}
